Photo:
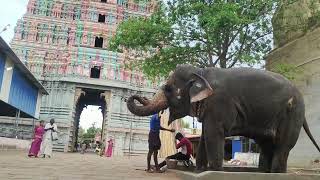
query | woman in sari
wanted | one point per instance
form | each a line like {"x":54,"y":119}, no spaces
{"x":108,"y":151}
{"x":37,"y":139}
{"x":48,"y":138}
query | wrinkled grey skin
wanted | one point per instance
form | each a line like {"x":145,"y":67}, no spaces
{"x":247,"y":102}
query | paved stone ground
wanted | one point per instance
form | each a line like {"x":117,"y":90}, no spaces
{"x":75,"y":166}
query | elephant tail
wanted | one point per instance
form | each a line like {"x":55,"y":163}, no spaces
{"x":306,"y":128}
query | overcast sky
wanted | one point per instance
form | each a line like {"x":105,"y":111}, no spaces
{"x":10,"y":12}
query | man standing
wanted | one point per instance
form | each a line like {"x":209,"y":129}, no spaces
{"x":186,"y":150}
{"x":154,"y":141}
{"x":50,"y":135}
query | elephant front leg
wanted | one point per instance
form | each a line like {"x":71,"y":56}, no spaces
{"x":214,"y":142}
{"x":201,"y":159}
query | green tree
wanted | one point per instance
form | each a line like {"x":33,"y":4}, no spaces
{"x":289,"y":71}
{"x":81,"y":132}
{"x":91,"y":132}
{"x":185,"y":124}
{"x":205,"y":33}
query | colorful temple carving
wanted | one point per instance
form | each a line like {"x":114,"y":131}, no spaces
{"x":64,"y":38}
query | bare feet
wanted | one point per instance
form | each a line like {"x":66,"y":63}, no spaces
{"x":149,"y":171}
{"x":158,"y":171}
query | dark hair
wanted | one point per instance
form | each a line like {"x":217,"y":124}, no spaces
{"x":42,"y":121}
{"x":179,"y":136}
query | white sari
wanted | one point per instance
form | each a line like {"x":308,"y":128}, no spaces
{"x":47,"y":142}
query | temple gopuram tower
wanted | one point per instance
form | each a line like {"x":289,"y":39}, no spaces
{"x":64,"y":43}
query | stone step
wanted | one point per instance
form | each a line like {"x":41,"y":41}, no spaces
{"x":7,"y":147}
{"x":134,"y":152}
{"x":58,"y":147}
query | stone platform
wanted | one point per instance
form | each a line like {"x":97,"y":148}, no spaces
{"x":12,"y":143}
{"x":211,"y":175}
{"x":70,"y":166}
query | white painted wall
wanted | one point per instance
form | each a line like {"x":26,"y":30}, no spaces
{"x":37,"y":113}
{"x":6,"y":83}
{"x":304,"y":152}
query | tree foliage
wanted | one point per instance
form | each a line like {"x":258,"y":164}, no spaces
{"x":205,"y":33}
{"x":91,"y":132}
{"x":185,"y":124}
{"x":287,"y":70}
{"x":81,"y":132}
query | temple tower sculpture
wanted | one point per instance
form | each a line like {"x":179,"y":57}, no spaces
{"x":64,"y":43}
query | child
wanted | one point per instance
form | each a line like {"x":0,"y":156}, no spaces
{"x":154,"y":142}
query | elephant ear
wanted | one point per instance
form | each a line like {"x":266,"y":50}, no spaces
{"x":200,"y":88}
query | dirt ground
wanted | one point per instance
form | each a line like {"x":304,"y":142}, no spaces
{"x":75,"y":166}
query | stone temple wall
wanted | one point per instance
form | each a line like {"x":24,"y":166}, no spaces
{"x":120,"y":124}
{"x":303,"y":52}
{"x":293,"y":19}
{"x":10,"y":127}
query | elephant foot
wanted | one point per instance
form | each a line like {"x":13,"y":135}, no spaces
{"x":264,"y":170}
{"x":215,"y":168}
{"x":199,"y":170}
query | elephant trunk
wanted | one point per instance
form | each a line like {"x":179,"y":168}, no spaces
{"x":148,"y":107}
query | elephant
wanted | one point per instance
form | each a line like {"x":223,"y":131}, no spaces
{"x":258,"y":104}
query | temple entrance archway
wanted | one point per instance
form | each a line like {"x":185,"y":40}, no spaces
{"x":90,"y":125}
{"x":84,"y":98}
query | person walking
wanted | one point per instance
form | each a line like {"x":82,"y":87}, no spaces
{"x":50,"y":135}
{"x":37,"y":139}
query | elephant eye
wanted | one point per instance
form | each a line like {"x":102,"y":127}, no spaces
{"x":198,"y":85}
{"x":168,"y":88}
{"x":178,"y":91}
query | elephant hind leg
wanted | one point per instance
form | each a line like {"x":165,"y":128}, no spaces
{"x":279,"y":161}
{"x":266,"y":156}
{"x":287,"y":136}
{"x":286,"y":141}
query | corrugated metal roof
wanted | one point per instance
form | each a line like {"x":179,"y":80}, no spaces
{"x":4,"y":48}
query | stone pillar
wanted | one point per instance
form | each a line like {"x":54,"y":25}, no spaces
{"x":107,"y":116}
{"x":78,"y":93}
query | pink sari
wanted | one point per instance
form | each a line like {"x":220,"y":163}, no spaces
{"x":108,"y":151}
{"x":36,"y":143}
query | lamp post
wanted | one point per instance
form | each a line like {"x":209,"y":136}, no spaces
{"x":5,"y":28}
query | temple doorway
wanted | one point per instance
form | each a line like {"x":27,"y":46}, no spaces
{"x":89,"y":119}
